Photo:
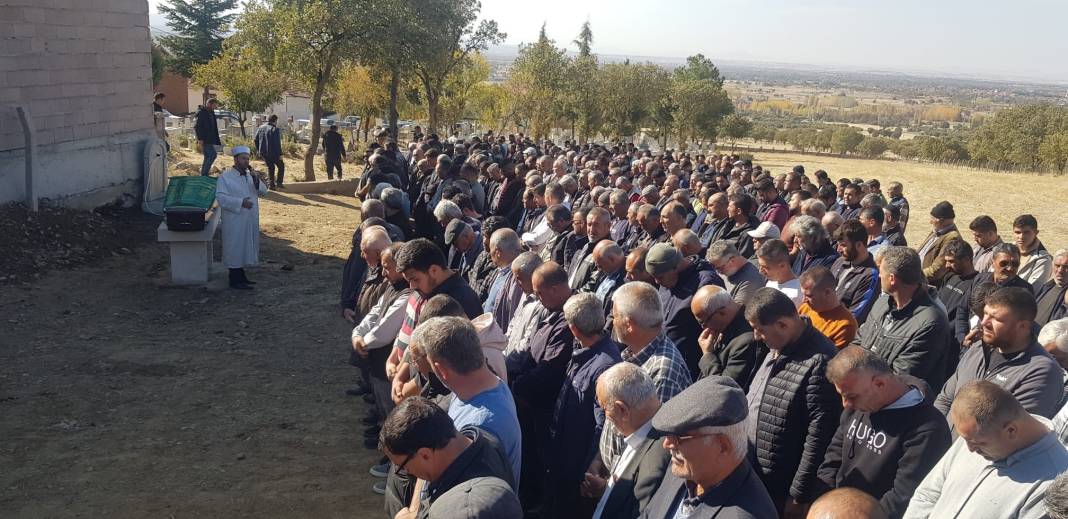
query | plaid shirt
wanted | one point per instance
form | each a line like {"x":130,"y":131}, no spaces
{"x":664,"y":364}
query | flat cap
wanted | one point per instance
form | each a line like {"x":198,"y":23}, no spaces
{"x":661,"y":259}
{"x":713,"y":401}
{"x":454,"y":230}
{"x":943,"y":210}
{"x":477,"y":498}
{"x":649,"y":190}
{"x":530,"y":151}
{"x":765,"y":230}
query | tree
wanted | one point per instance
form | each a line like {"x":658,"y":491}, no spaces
{"x":390,"y":50}
{"x":735,"y":127}
{"x":699,"y":68}
{"x":459,"y":87}
{"x":584,"y":40}
{"x":581,"y":103}
{"x":872,"y":147}
{"x":630,"y":95}
{"x":536,"y":84}
{"x":360,"y":93}
{"x":447,"y":35}
{"x":159,"y":59}
{"x":490,"y":106}
{"x":700,"y":105}
{"x":845,"y":139}
{"x":308,"y":42}
{"x":1054,"y":150}
{"x":243,"y":85}
{"x":199,"y":27}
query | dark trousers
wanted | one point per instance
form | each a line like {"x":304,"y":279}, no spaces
{"x":330,"y":165}
{"x":271,"y":164}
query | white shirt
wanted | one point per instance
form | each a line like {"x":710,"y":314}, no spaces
{"x":632,"y":441}
{"x":536,"y":238}
{"x":791,"y":288}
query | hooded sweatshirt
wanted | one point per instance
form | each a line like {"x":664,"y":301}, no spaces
{"x":493,"y":344}
{"x":887,"y":453}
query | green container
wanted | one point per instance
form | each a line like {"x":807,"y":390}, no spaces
{"x":190,"y":192}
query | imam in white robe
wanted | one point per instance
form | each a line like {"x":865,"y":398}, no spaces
{"x":240,"y":226}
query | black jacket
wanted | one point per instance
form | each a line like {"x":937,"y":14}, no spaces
{"x":483,"y":458}
{"x":207,"y":129}
{"x":738,"y":234}
{"x":824,"y":256}
{"x":1051,"y":305}
{"x":798,"y":415}
{"x":333,"y":145}
{"x":639,"y":481}
{"x":740,"y":496}
{"x":268,"y":141}
{"x":886,"y":453}
{"x":914,"y":340}
{"x":955,"y":295}
{"x":736,"y":354}
{"x":679,"y":323}
{"x":456,"y":287}
{"x":858,"y":285}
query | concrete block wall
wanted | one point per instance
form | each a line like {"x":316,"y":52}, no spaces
{"x":83,"y":69}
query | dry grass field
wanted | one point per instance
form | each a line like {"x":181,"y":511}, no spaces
{"x":1003,"y":196}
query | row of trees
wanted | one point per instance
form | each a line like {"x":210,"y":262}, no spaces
{"x":422,"y":50}
{"x":1029,"y":137}
{"x":549,"y":89}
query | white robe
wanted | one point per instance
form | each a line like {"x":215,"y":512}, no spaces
{"x":240,"y":226}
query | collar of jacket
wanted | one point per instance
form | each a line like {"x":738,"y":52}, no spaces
{"x":921,"y":297}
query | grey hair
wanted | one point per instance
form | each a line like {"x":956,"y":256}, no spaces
{"x":452,"y":341}
{"x":506,"y":241}
{"x":686,"y":237}
{"x":639,"y":302}
{"x":1007,"y":248}
{"x":585,"y":312}
{"x":525,"y":264}
{"x":371,"y":208}
{"x":619,"y":196}
{"x":568,"y":182}
{"x":736,"y":433}
{"x":627,"y":383}
{"x":447,"y":209}
{"x":392,"y":197}
{"x":1055,"y":332}
{"x":1060,"y":254}
{"x":809,"y":230}
{"x":379,"y":188}
{"x":903,"y":263}
{"x":1057,"y":498}
{"x":722,"y":250}
{"x":832,"y":217}
{"x":814,"y":207}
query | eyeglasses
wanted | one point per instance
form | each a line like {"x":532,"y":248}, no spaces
{"x":679,"y":439}
{"x":405,"y":463}
{"x":704,"y":322}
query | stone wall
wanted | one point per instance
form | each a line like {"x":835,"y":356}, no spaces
{"x":83,"y":70}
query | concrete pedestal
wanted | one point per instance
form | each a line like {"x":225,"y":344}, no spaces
{"x":191,"y":252}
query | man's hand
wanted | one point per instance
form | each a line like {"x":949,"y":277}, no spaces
{"x":391,"y":370}
{"x":795,"y":510}
{"x":349,"y":315}
{"x":405,"y":513}
{"x":246,"y":203}
{"x":592,"y":486}
{"x":397,"y":391}
{"x":974,"y":335}
{"x":707,"y":340}
{"x":359,"y":346}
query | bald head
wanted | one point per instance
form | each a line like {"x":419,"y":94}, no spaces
{"x":373,"y":241}
{"x":846,"y":503}
{"x":608,"y":256}
{"x":687,"y":241}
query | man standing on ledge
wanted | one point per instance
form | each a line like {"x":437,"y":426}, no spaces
{"x":238,"y":191}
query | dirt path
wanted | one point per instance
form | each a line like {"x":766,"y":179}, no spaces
{"x":123,"y":398}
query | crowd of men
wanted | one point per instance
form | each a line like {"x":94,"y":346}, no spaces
{"x":560,"y":331}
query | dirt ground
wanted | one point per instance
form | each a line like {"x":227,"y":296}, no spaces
{"x":123,"y":397}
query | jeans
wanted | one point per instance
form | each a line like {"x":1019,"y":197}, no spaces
{"x":271,"y":163}
{"x":330,"y":165}
{"x":209,"y":159}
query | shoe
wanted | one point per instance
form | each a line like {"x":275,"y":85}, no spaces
{"x":370,"y":443}
{"x":270,"y":186}
{"x":280,"y":186}
{"x":379,"y":488}
{"x":369,"y":398}
{"x":369,"y":421}
{"x":241,"y":286}
{"x":372,"y":432}
{"x":381,"y":470}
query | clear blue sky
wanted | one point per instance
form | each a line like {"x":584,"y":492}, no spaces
{"x":1024,"y":38}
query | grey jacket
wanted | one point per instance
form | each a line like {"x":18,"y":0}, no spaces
{"x":966,"y":485}
{"x":1033,"y":377}
{"x":914,"y":340}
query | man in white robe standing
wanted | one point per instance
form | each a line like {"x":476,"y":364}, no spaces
{"x":237,"y":192}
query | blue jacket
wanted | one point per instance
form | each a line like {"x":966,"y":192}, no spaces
{"x":679,"y":323}
{"x":576,"y":424}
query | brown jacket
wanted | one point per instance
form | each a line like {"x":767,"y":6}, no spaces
{"x":934,"y":261}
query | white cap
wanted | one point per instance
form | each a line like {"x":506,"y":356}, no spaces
{"x":530,"y":151}
{"x":765,"y":230}
{"x":237,"y":150}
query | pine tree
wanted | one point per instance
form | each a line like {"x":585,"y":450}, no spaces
{"x":199,"y":27}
